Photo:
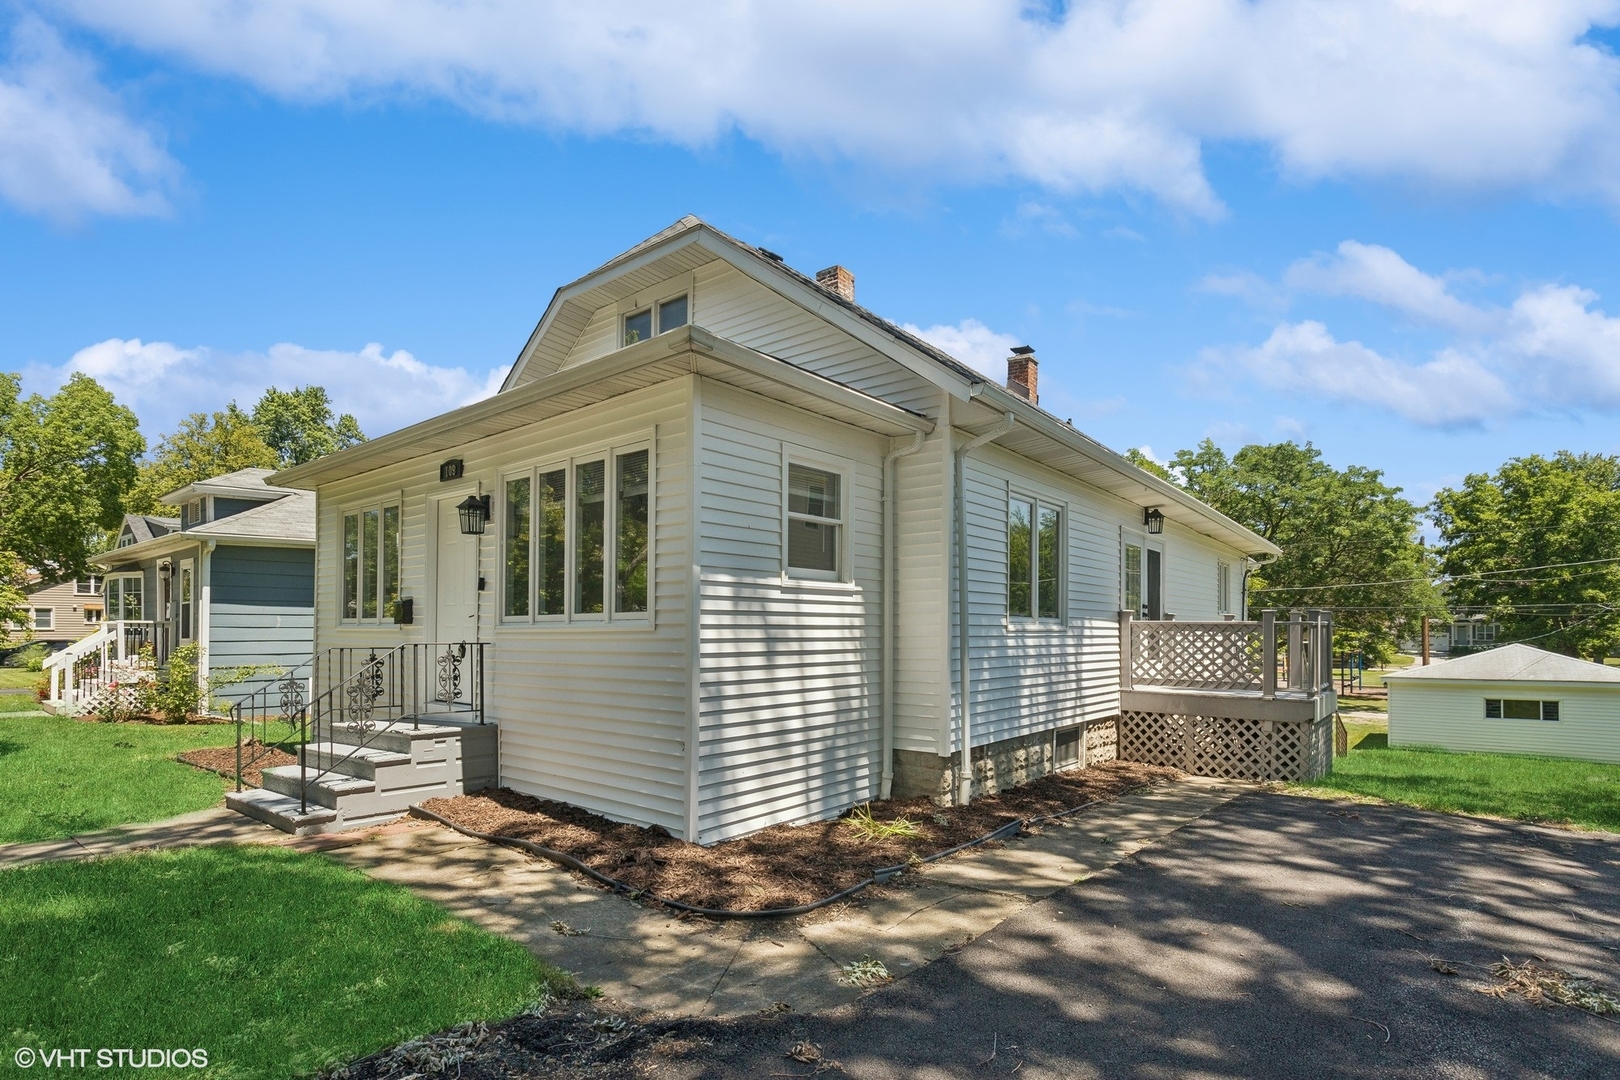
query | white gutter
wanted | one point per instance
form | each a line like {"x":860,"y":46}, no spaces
{"x":964,"y":766}
{"x":890,"y":571}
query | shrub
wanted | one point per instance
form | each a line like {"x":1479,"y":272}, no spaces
{"x":179,"y":691}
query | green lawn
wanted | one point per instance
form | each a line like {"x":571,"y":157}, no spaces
{"x":20,"y":703}
{"x":1553,"y":790}
{"x":274,"y":962}
{"x":12,"y":678}
{"x":60,"y":776}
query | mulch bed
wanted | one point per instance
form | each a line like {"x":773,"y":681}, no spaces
{"x":222,"y":760}
{"x":785,"y":865}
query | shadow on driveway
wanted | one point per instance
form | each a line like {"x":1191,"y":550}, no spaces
{"x":1276,"y":937}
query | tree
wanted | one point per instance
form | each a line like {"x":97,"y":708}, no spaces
{"x":1538,"y":512}
{"x":1349,"y":541}
{"x":299,"y":426}
{"x":65,"y":462}
{"x":205,"y":445}
{"x":13,"y":600}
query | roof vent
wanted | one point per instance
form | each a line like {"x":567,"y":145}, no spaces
{"x":1022,"y":372}
{"x":835,"y":279}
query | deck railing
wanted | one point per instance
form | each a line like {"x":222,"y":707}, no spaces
{"x":122,"y":649}
{"x":1261,"y":656}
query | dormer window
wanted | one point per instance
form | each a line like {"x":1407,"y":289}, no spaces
{"x":194,"y":512}
{"x":670,"y":314}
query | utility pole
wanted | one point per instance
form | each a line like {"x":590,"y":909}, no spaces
{"x":1425,"y":641}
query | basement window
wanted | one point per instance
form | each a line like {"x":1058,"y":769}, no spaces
{"x":1520,"y":709}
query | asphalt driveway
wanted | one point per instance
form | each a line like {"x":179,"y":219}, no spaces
{"x":1276,"y":937}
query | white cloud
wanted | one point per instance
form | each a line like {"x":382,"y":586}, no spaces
{"x":1376,"y":273}
{"x":1304,"y":358}
{"x":1111,"y":95}
{"x":67,"y":145}
{"x":1551,"y":349}
{"x":1247,"y":286}
{"x":163,"y":382}
{"x":971,"y":342}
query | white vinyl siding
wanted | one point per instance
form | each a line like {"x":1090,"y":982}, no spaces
{"x":923,"y":632}
{"x":728,"y":303}
{"x":1040,"y":675}
{"x":788,"y":709}
{"x":1451,"y":715}
{"x":593,"y":714}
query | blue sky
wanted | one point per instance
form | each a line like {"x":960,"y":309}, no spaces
{"x":1389,"y":228}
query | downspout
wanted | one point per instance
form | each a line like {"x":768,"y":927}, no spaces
{"x":964,"y":759}
{"x":203,"y":597}
{"x":890,"y":500}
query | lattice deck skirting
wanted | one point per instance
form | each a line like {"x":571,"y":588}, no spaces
{"x":1238,"y":749}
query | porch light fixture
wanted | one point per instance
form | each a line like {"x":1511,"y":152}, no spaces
{"x":1153,"y":518}
{"x":474,"y":511}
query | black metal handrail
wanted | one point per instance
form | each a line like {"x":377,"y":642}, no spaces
{"x":283,"y":700}
{"x":365,"y":691}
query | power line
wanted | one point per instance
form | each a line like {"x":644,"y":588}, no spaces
{"x":1438,"y":578}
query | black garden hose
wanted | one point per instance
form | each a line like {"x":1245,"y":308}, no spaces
{"x":879,"y":876}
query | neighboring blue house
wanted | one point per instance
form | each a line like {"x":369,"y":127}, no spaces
{"x":234,"y":572}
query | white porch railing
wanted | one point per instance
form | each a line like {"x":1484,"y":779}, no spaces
{"x":1252,"y":657}
{"x":121,"y":650}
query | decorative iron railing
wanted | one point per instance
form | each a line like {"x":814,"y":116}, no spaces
{"x":1260,"y":656}
{"x":348,"y":696}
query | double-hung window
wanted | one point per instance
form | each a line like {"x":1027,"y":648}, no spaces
{"x":1034,"y":559}
{"x":370,"y":563}
{"x":815,"y":523}
{"x":659,"y":318}
{"x":44,"y":618}
{"x":576,"y":539}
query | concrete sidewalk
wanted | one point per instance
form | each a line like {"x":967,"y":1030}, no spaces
{"x":216,"y":825}
{"x":650,"y":959}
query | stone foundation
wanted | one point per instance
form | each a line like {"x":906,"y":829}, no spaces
{"x":1006,"y":764}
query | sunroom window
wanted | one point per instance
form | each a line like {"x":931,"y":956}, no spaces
{"x":604,"y":528}
{"x":370,"y":563}
{"x":814,"y":522}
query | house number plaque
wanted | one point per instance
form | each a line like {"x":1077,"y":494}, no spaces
{"x":450,"y":470}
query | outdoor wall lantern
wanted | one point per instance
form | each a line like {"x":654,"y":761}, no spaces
{"x":474,"y":512}
{"x":1153,"y":518}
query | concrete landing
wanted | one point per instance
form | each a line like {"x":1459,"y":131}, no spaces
{"x":688,"y":966}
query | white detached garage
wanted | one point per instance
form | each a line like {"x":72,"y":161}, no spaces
{"x":1513,"y":700}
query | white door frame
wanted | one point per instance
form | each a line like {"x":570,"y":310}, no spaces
{"x":431,"y":570}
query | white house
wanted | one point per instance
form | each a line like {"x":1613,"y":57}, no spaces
{"x":1515,"y":699}
{"x":718,"y":587}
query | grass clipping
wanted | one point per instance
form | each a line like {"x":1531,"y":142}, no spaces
{"x":1547,"y":987}
{"x":861,"y":822}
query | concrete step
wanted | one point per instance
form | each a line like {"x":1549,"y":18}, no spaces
{"x":361,"y":761}
{"x":398,"y":736}
{"x":281,"y":812}
{"x":325,"y":788}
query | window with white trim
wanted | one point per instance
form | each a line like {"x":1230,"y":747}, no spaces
{"x":92,"y":616}
{"x":44,"y":618}
{"x":659,"y":318}
{"x":125,"y":597}
{"x":815,"y":523}
{"x":1034,"y":559}
{"x":576,"y":539}
{"x":90,"y":586}
{"x":371,"y":538}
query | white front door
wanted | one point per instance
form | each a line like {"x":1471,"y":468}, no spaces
{"x":455,"y":608}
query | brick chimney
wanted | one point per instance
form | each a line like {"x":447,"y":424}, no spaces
{"x":1022,"y":371}
{"x":836,"y":279}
